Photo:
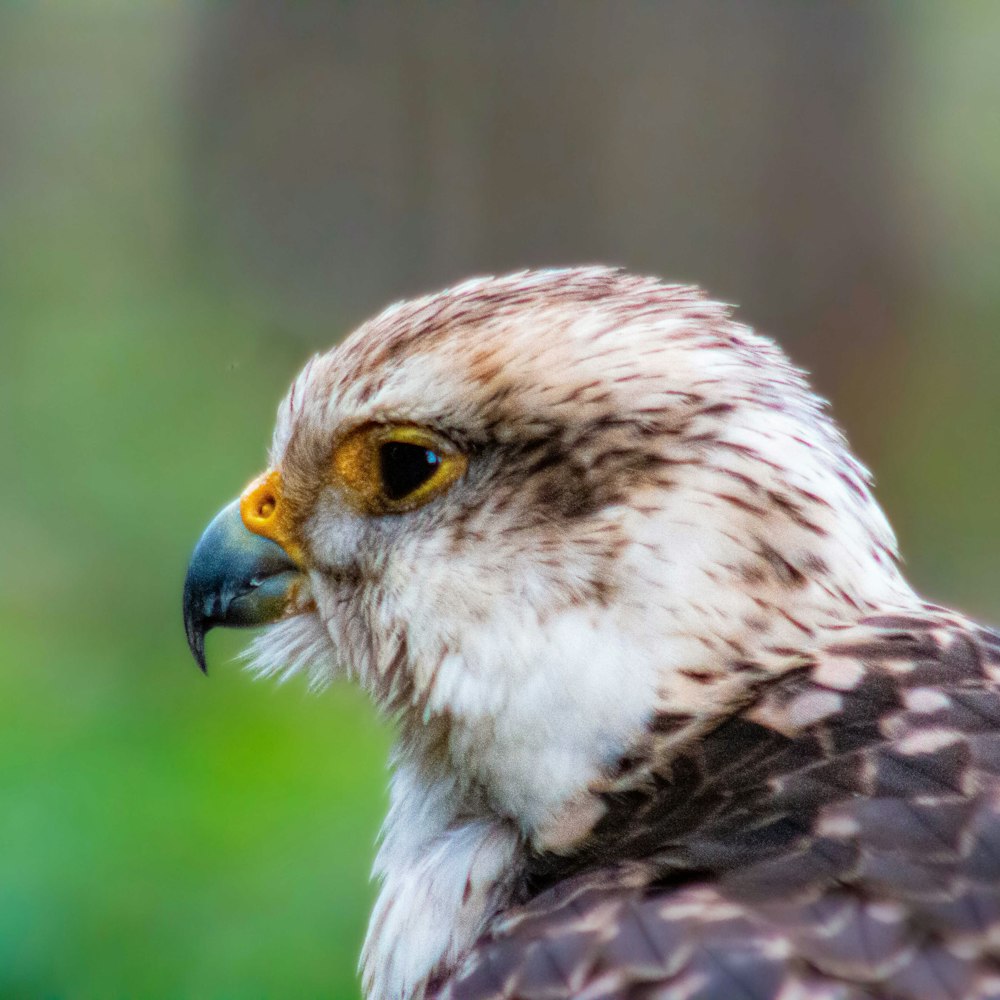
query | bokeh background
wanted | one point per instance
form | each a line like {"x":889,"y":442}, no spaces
{"x":195,"y":196}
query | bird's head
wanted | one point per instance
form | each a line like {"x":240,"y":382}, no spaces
{"x":529,"y":513}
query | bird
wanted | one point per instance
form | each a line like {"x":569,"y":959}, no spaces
{"x":671,"y":722}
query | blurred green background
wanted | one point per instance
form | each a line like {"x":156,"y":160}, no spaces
{"x":195,"y":196}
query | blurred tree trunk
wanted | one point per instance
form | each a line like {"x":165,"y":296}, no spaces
{"x":348,"y":154}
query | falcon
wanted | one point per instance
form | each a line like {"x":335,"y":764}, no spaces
{"x":671,"y":722}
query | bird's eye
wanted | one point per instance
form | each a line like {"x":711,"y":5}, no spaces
{"x":406,"y":467}
{"x":391,"y":469}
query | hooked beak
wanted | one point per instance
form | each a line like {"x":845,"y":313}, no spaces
{"x":238,"y":577}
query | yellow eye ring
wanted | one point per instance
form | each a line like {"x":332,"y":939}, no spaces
{"x":394,"y":468}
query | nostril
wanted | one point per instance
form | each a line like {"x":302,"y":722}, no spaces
{"x":262,"y":507}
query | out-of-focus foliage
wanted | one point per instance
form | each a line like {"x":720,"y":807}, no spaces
{"x":193,"y":197}
{"x":160,"y":834}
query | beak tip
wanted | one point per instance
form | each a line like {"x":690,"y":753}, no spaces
{"x":195,"y":630}
{"x":199,"y":658}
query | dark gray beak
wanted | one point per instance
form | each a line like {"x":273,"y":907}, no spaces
{"x":235,"y":578}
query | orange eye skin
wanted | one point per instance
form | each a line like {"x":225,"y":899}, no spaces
{"x":358,"y":471}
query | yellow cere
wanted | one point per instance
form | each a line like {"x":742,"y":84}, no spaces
{"x":263,"y":512}
{"x":357,"y":467}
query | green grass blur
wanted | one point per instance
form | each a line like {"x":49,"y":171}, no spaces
{"x":167,"y":835}
{"x":161,"y":834}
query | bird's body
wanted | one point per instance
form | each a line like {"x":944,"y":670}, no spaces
{"x":838,"y":838}
{"x":671,"y":722}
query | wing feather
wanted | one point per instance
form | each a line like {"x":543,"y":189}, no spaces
{"x":795,"y":852}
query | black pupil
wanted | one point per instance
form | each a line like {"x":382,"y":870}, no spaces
{"x":405,"y":467}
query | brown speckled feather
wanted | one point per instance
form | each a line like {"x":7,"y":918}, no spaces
{"x":837,"y":838}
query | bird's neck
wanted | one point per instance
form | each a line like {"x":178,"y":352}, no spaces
{"x":444,"y":870}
